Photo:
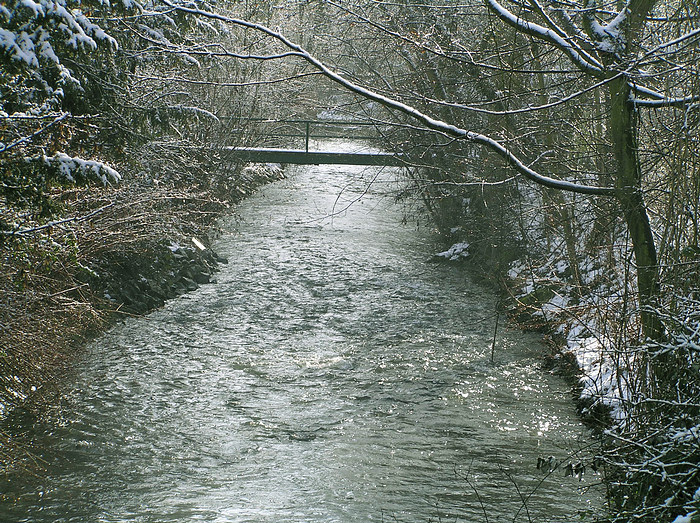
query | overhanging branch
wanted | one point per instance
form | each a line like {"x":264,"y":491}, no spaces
{"x":579,"y":56}
{"x":395,"y":105}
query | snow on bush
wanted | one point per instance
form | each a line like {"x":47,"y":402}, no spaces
{"x":34,"y":31}
{"x":458,"y":251}
{"x":39,"y":42}
{"x":69,"y":166}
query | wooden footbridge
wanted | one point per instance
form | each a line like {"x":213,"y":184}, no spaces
{"x":291,"y":131}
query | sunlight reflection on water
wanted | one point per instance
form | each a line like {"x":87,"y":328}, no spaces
{"x":332,"y":374}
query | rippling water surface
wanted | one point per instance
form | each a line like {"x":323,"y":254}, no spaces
{"x":332,"y":374}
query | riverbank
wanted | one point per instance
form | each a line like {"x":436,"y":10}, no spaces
{"x":112,"y":252}
{"x":648,"y":433}
{"x":640,"y":395}
{"x":532,"y":304}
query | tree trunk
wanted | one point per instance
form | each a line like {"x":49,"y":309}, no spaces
{"x":623,"y":129}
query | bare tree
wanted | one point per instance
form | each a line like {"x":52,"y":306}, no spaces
{"x":615,"y":50}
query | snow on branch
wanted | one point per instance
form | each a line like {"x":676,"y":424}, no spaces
{"x":28,"y":37}
{"x":681,"y":102}
{"x":673,"y":44}
{"x":390,"y":103}
{"x":56,"y":223}
{"x":26,"y":139}
{"x":656,"y":99}
{"x":579,"y":56}
{"x":38,"y":40}
{"x":652,"y":98}
{"x":609,"y":38}
{"x":70,"y":166}
{"x":190,"y":109}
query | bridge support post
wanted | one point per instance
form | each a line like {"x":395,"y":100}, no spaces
{"x":308,"y":127}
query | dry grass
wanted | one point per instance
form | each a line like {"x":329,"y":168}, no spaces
{"x":52,"y":276}
{"x":48,"y":308}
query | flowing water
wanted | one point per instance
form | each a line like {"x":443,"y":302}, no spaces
{"x":331,"y":374}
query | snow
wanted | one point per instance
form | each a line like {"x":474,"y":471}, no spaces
{"x":609,"y":37}
{"x":37,"y":9}
{"x":194,"y":110}
{"x":687,"y":436}
{"x":19,"y":46}
{"x":82,"y":21}
{"x":132,"y":4}
{"x":516,"y":269}
{"x":68,"y":166}
{"x":458,"y":251}
{"x":31,"y":43}
{"x":581,"y":58}
{"x":665,"y":102}
{"x":688,"y":518}
{"x":589,"y":327}
{"x":554,"y":306}
{"x":31,"y":36}
{"x":46,"y":51}
{"x":574,"y":315}
{"x":153,"y":33}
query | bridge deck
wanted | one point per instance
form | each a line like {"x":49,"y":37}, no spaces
{"x":266,"y":155}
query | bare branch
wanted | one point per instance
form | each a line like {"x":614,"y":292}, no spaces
{"x":217,"y":83}
{"x":528,"y":109}
{"x":579,"y":56}
{"x":25,"y":139}
{"x":390,"y":103}
{"x":57,"y":223}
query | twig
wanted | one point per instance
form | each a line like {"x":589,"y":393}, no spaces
{"x":55,"y":223}
{"x":67,"y":290}
{"x":495,"y":331}
{"x":4,"y":148}
{"x":465,"y":477}
{"x":523,"y":499}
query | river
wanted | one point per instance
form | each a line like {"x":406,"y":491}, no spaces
{"x":333,"y":373}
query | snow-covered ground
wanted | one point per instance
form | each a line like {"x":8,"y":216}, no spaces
{"x":578,"y":318}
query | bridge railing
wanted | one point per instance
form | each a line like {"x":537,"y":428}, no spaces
{"x":300,"y":132}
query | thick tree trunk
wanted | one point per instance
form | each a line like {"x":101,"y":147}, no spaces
{"x":623,"y":129}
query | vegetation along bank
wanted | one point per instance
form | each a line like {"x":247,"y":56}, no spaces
{"x":556,"y":143}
